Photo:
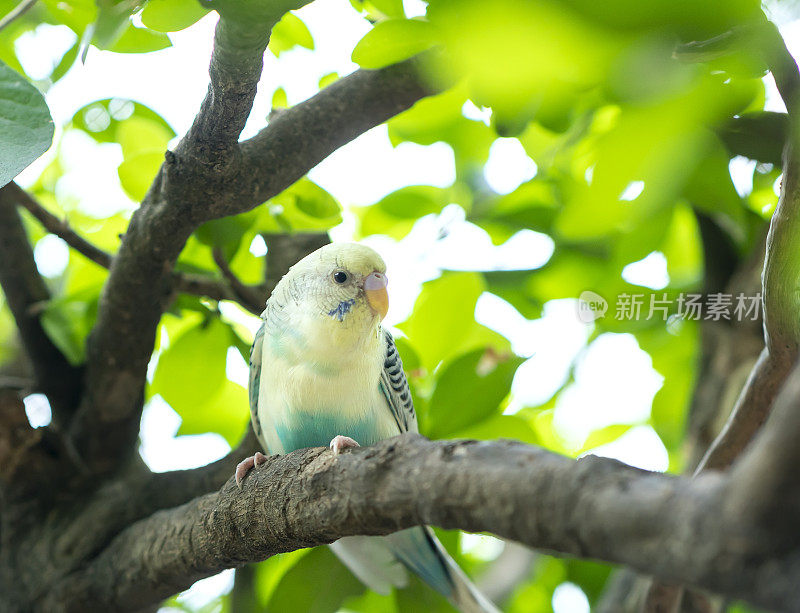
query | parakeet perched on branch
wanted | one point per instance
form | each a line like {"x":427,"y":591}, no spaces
{"x":324,"y":372}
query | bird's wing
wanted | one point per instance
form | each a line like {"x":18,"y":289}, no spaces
{"x":255,"y":379}
{"x":394,"y":386}
{"x":374,"y":560}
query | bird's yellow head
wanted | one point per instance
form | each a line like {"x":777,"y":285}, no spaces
{"x":343,"y":282}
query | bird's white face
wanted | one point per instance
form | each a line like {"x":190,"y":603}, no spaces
{"x":343,"y":284}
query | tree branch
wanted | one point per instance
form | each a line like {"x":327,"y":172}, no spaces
{"x":781,"y":302}
{"x":748,"y":414}
{"x":251,"y":298}
{"x":301,"y":137}
{"x":768,"y":492}
{"x":60,"y":228}
{"x":178,"y":486}
{"x":780,"y":296}
{"x":187,"y":283}
{"x":140,"y":282}
{"x":311,"y":497}
{"x":25,"y":292}
{"x":592,"y":507}
{"x":781,"y":326}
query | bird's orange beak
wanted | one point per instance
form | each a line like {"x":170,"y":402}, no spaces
{"x":375,"y":290}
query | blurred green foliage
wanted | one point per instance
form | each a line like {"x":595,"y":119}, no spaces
{"x":597,"y":97}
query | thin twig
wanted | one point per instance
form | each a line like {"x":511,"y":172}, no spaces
{"x":249,"y":297}
{"x":186,"y":283}
{"x":60,"y":228}
{"x":19,"y":10}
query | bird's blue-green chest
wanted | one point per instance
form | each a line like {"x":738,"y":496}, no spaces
{"x":301,"y":429}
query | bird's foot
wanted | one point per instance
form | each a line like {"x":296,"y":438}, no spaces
{"x":340,"y":442}
{"x":247,"y":464}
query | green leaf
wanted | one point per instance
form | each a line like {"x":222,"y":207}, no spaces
{"x":66,"y":62}
{"x":415,"y":201}
{"x":312,"y":200}
{"x":75,"y":14}
{"x":675,"y":355}
{"x":193,"y":367}
{"x":392,"y":41}
{"x":369,"y":602}
{"x":103,"y":119}
{"x":139,"y":134}
{"x":512,"y":427}
{"x":172,"y":15}
{"x":270,"y":572}
{"x":224,"y":413}
{"x":442,"y":324}
{"x":140,"y":40}
{"x":319,"y":582}
{"x":533,"y":206}
{"x":279,"y":99}
{"x":603,"y":436}
{"x":407,"y":354}
{"x":469,"y":390}
{"x":641,"y":238}
{"x":428,"y":119}
{"x":440,"y":118}
{"x":67,"y":320}
{"x":397,"y":212}
{"x":374,"y":220}
{"x":137,"y":173}
{"x":288,"y":33}
{"x":113,"y":19}
{"x":327,"y":79}
{"x":682,"y":248}
{"x":419,"y":596}
{"x":225,"y":233}
{"x":303,"y":206}
{"x":26,"y":128}
{"x":387,"y":8}
{"x":711,"y":189}
{"x":190,"y":377}
{"x":513,"y":63}
{"x":566,"y":275}
{"x":590,"y":576}
{"x":140,"y":131}
{"x":510,"y":285}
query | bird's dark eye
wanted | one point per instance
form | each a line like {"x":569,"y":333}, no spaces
{"x":340,"y":276}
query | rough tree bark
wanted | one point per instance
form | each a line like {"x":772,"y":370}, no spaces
{"x":781,"y":337}
{"x":84,"y":525}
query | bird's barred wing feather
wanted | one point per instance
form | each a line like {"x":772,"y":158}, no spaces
{"x":416,"y":548}
{"x":255,"y":379}
{"x":394,"y":387}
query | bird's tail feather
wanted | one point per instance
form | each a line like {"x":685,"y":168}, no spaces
{"x":381,"y":563}
{"x":420,"y":550}
{"x":465,"y":596}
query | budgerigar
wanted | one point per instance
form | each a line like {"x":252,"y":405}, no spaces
{"x":324,"y":372}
